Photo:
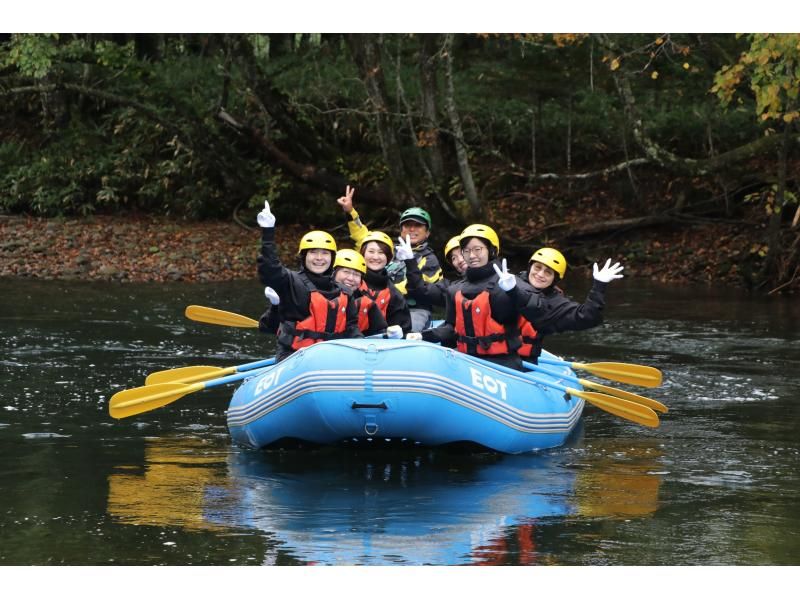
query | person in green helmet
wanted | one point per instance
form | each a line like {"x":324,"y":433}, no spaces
{"x":415,"y":228}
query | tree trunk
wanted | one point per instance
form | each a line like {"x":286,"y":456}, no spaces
{"x":771,"y":271}
{"x":366,"y":52}
{"x":429,"y":137}
{"x":458,"y":137}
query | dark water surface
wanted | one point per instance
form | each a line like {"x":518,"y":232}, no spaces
{"x":717,"y":484}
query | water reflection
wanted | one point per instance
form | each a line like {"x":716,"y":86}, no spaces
{"x":170,"y":487}
{"x":340,"y":507}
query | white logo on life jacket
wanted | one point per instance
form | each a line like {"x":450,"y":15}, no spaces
{"x":268,"y":380}
{"x":488,"y":383}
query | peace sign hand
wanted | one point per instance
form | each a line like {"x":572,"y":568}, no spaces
{"x":346,"y":200}
{"x":403,"y":251}
{"x":506,"y":280}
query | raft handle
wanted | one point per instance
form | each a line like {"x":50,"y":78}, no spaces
{"x":381,"y":405}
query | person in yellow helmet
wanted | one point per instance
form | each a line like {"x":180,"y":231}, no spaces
{"x":546,"y":267}
{"x":348,"y":269}
{"x":378,"y":249}
{"x":483,"y":309}
{"x":313,"y":307}
{"x":415,"y":225}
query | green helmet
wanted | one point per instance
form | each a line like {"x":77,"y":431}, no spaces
{"x":417,"y":214}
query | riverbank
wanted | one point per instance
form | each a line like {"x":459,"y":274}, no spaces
{"x":136,"y":249}
{"x":158,"y":249}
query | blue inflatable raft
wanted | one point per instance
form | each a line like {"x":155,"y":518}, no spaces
{"x":383,"y":390}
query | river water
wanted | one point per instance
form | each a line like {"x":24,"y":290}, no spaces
{"x":717,"y":483}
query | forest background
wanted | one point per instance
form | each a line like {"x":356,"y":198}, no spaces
{"x":675,"y":153}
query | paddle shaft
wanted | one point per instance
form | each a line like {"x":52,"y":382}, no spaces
{"x":622,"y":394}
{"x":627,"y":373}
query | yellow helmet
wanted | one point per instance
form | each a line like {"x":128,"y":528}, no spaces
{"x":482,"y":232}
{"x":380,"y":237}
{"x":452,"y":244}
{"x":552,"y":258}
{"x":350,"y":258}
{"x":317,"y":239}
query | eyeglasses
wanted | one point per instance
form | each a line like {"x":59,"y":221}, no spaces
{"x":476,"y":251}
{"x":539,"y":267}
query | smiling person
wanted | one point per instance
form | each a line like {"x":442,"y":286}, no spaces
{"x":547,"y":267}
{"x":415,"y":224}
{"x":312,"y":306}
{"x":483,"y":310}
{"x":377,"y":249}
{"x":349,"y":270}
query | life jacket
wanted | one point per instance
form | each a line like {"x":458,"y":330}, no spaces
{"x":380,"y":298}
{"x":327,"y":319}
{"x":531,"y":341}
{"x":477,"y":332}
{"x":364,"y":304}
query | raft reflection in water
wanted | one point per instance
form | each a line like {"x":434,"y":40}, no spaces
{"x":337,"y":506}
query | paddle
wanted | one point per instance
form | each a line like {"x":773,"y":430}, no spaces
{"x":134,"y":401}
{"x":610,"y":390}
{"x":619,"y":407}
{"x":209,"y":315}
{"x":200,"y":373}
{"x":627,"y":373}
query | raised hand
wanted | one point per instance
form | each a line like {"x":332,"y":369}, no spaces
{"x":265,"y":218}
{"x":608,"y":272}
{"x":506,"y":280}
{"x":403,"y":250}
{"x":271,"y":295}
{"x":346,"y":200}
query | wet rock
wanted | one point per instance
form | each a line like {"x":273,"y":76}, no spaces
{"x":108,"y":271}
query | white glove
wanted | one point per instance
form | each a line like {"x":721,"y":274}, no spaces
{"x":403,"y":250}
{"x":271,"y":295}
{"x":608,"y":272}
{"x":507,"y":280}
{"x":414,"y":336}
{"x":266,"y":219}
{"x":394,"y":332}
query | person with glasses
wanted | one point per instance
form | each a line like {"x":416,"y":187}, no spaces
{"x":546,"y":267}
{"x":313,"y":307}
{"x":415,"y":224}
{"x":484,"y":309}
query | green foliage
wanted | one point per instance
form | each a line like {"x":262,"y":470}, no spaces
{"x":32,"y":54}
{"x":118,"y":132}
{"x":771,"y":70}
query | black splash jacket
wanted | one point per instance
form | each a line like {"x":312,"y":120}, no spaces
{"x":294,"y":290}
{"x":397,"y":312}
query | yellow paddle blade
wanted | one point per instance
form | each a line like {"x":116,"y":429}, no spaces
{"x":624,"y":394}
{"x":619,"y":407}
{"x":209,"y":315}
{"x":138,"y":400}
{"x":627,"y":373}
{"x":187,"y":375}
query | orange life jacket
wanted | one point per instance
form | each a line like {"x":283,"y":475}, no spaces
{"x":327,"y":320}
{"x":531,"y":343}
{"x":477,"y":332}
{"x":364,"y":304}
{"x":380,"y":298}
